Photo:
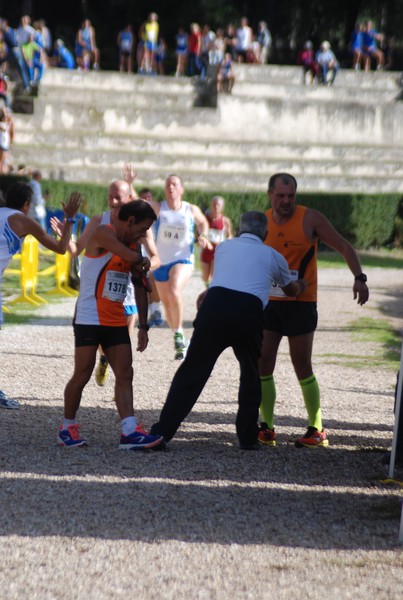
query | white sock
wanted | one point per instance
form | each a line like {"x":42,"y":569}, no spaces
{"x":179,"y":330}
{"x":68,"y":422}
{"x":128,"y":425}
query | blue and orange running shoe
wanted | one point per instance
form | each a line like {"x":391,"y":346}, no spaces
{"x":70,"y":437}
{"x":141,"y":440}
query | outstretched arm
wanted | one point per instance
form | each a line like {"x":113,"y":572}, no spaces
{"x":325,"y":231}
{"x":23,"y":225}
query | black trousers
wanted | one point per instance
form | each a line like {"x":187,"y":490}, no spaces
{"x":225,"y":319}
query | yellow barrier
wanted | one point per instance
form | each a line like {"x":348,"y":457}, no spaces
{"x":28,"y":272}
{"x":62,"y":270}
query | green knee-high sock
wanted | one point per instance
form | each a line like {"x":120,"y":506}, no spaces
{"x":311,"y":394}
{"x":268,"y":399}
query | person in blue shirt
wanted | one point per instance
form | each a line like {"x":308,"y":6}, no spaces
{"x":15,"y":55}
{"x":125,"y":42}
{"x":370,"y":39}
{"x":62,"y":56}
{"x":356,"y":46}
{"x":230,"y":314}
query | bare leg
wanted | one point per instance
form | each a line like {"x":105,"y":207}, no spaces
{"x":268,"y":356}
{"x":84,"y":361}
{"x":170,"y":293}
{"x":206,"y":271}
{"x":301,"y":354}
{"x":120,"y":358}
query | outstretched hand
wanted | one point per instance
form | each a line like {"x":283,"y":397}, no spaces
{"x":361,"y":292}
{"x":74,"y":202}
{"x":56,"y":225}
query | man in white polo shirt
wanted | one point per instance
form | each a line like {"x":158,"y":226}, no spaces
{"x":230,"y":315}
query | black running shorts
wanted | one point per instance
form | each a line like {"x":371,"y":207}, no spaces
{"x":291,"y":318}
{"x":100,"y":335}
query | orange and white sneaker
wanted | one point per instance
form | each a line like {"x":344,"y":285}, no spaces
{"x":266,"y":435}
{"x":313,"y":439}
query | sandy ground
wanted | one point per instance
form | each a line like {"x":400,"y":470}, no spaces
{"x":205,"y":519}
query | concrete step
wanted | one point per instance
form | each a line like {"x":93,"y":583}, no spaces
{"x":294,"y":120}
{"x":316,"y":93}
{"x":292,"y":75}
{"x":88,"y":141}
{"x":94,"y":157}
{"x":170,"y":96}
{"x":128,"y":100}
{"x":205,"y":170}
{"x":218,"y":182}
{"x":86,"y":125}
{"x":112,"y":82}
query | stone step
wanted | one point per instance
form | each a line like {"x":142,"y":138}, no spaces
{"x":219,"y":182}
{"x":127,"y":100}
{"x":171,"y":97}
{"x":57,"y":86}
{"x":207,"y":167}
{"x":292,"y":75}
{"x":83,"y":131}
{"x":88,"y":141}
{"x":258,"y":118}
{"x":315,"y":93}
{"x":113,"y":82}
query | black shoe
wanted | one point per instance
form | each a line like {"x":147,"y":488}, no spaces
{"x":254,"y":446}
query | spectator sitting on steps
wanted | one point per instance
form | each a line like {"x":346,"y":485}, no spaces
{"x":225,"y":75}
{"x":327,"y":63}
{"x":62,"y":57}
{"x":306,"y":58}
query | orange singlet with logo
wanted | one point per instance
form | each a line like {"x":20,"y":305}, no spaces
{"x":300,"y":253}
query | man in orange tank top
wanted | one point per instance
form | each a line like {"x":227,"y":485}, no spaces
{"x":294,"y":231}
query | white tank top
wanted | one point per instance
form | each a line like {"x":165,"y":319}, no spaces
{"x":10,"y":243}
{"x":175,"y":233}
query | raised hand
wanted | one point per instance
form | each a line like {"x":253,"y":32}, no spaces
{"x":128,"y":173}
{"x":73,"y":204}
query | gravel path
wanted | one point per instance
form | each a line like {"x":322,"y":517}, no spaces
{"x":203,"y":520}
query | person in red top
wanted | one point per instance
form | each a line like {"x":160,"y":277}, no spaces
{"x":194,"y":49}
{"x":220,"y":229}
{"x":294,"y":231}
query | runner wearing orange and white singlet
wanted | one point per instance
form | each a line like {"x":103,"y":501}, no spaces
{"x":120,"y":192}
{"x":100,"y":320}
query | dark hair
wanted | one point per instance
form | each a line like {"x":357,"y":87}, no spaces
{"x":17,"y":195}
{"x":145,"y":190}
{"x":139,"y":209}
{"x":286,"y":178}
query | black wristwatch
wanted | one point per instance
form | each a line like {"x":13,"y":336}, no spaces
{"x":141,"y":326}
{"x":361,"y":277}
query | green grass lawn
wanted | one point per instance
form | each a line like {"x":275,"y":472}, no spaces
{"x":386,"y":259}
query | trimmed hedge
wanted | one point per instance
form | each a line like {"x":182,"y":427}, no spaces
{"x":367,"y":221}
